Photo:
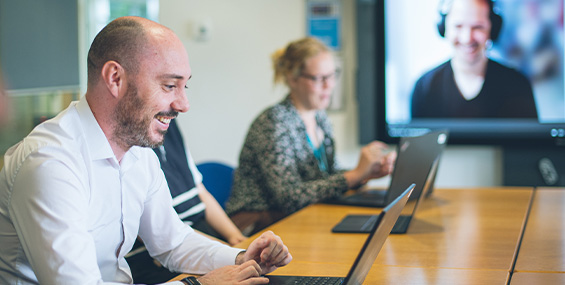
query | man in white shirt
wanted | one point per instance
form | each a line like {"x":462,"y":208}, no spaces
{"x":76,"y":192}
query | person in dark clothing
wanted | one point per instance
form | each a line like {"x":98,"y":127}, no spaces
{"x":505,"y":93}
{"x":470,"y":85}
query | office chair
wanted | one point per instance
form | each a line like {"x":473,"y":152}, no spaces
{"x":217,"y":178}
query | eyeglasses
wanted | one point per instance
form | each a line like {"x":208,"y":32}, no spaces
{"x":319,"y":79}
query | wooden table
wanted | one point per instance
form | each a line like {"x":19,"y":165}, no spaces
{"x":541,"y":258}
{"x":529,"y":278}
{"x":394,"y":275}
{"x":472,"y":228}
{"x":459,"y":236}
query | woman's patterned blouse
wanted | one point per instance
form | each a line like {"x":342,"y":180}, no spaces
{"x":277,"y":169}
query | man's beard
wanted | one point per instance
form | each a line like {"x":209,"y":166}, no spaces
{"x":134,"y":130}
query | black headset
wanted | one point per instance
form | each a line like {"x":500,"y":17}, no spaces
{"x":495,"y":19}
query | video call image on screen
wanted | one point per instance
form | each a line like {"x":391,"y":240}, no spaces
{"x":444,"y":64}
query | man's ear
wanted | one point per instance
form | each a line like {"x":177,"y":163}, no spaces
{"x":113,"y":75}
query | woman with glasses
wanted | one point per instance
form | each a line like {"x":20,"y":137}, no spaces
{"x":288,"y":158}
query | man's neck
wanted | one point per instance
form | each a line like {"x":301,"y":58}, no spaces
{"x":469,"y":78}
{"x":477,"y":68}
{"x":119,"y":149}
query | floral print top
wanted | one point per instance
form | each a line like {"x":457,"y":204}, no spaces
{"x":277,"y":168}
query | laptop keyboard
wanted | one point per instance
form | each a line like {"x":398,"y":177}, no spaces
{"x":371,"y":194}
{"x":367,"y":197}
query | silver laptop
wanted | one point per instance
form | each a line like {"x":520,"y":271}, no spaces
{"x":414,"y":164}
{"x":367,"y":255}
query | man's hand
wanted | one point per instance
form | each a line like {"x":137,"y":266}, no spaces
{"x":247,"y":273}
{"x":268,"y":251}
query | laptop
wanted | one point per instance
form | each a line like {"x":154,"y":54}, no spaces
{"x":364,"y":223}
{"x":414,"y":161}
{"x":368,"y":253}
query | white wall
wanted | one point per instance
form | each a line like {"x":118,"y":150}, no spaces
{"x":232,"y":77}
{"x":232,"y":83}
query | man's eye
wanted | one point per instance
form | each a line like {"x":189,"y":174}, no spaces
{"x":170,"y":86}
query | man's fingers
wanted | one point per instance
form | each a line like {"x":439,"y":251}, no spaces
{"x":249,"y":269}
{"x":275,"y":253}
{"x":280,"y":256}
{"x":268,"y":251}
{"x":286,"y":261}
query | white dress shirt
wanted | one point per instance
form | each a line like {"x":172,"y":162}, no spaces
{"x":70,"y":212}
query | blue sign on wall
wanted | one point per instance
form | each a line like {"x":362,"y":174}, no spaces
{"x":324,"y":22}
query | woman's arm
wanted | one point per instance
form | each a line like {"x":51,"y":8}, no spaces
{"x":217,"y":217}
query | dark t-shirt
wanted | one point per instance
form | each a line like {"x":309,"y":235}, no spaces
{"x":174,"y":163}
{"x":506,"y":93}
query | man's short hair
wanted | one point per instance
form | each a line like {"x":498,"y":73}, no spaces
{"x":122,"y":40}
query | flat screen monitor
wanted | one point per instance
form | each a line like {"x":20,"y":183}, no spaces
{"x":420,"y":87}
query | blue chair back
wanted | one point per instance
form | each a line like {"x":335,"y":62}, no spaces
{"x":217,"y":178}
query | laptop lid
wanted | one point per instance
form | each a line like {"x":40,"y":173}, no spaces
{"x":416,"y":156}
{"x":376,"y":239}
{"x":408,"y":212}
{"x":415,"y":160}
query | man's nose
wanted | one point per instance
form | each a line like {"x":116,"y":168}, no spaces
{"x":465,"y":35}
{"x":180,"y":104}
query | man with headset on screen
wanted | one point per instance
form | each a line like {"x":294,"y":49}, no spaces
{"x":470,"y":85}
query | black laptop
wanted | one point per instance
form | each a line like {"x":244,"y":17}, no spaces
{"x":364,"y":223}
{"x":416,"y":156}
{"x":368,"y":254}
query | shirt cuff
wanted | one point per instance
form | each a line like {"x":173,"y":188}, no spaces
{"x":227,"y":256}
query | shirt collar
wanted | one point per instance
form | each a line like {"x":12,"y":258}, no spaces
{"x":320,"y":115}
{"x":96,"y":140}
